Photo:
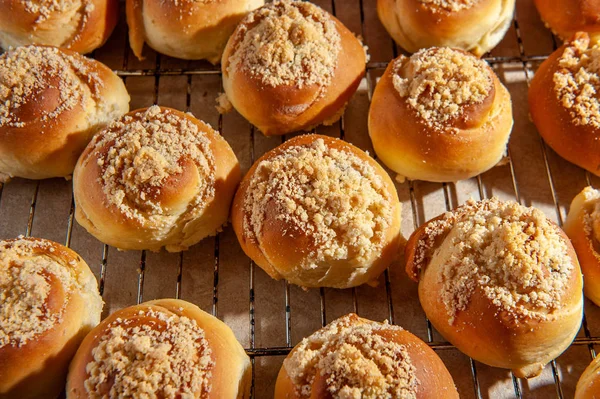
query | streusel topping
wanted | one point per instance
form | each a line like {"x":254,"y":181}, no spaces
{"x":450,"y":5}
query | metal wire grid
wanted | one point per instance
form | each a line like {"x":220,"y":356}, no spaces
{"x":524,"y":60}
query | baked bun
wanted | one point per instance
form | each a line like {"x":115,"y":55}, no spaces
{"x":166,"y":348}
{"x":359,"y":358}
{"x":588,"y":386}
{"x":79,"y":25}
{"x":440,"y":115}
{"x":567,"y":17}
{"x":499,"y":281}
{"x":472,"y":25}
{"x":291,"y":66}
{"x":188,"y":29}
{"x":563,"y":102}
{"x":583,"y":228}
{"x":50,"y":301}
{"x":156,"y":177}
{"x":318,"y":212}
{"x":51,"y":103}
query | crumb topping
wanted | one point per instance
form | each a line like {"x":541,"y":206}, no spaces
{"x":355,"y":359}
{"x":26,"y":72}
{"x":151,"y":355}
{"x":439,"y":82}
{"x":138,"y":153}
{"x":514,"y":255}
{"x":449,"y":5}
{"x":26,"y":283}
{"x":332,"y":196}
{"x":292,"y":43}
{"x":45,"y":8}
{"x":577,"y":81}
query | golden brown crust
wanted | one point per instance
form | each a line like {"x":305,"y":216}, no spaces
{"x":156,"y":177}
{"x":81,"y":26}
{"x":35,"y":354}
{"x":588,"y":386}
{"x":303,"y":250}
{"x":476,"y":26}
{"x":500,"y":316}
{"x":572,"y":133}
{"x":51,"y":102}
{"x":417,"y":371}
{"x":417,"y":140}
{"x":567,"y":17}
{"x":185,"y":29}
{"x":291,"y":104}
{"x":229,"y":368}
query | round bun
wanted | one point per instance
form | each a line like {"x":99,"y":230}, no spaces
{"x":156,"y":177}
{"x":588,"y":386}
{"x":80,"y":25}
{"x":472,"y":25}
{"x":166,"y":348}
{"x":318,"y":212}
{"x":567,"y":17}
{"x":359,"y":358}
{"x":188,"y":29}
{"x":50,"y":301}
{"x":440,"y":115}
{"x":500,"y":282}
{"x":563,"y":103}
{"x":583,"y":228}
{"x":291,"y":66}
{"x":51,"y":103}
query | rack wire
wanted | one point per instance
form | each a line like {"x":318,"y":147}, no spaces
{"x":289,"y":312}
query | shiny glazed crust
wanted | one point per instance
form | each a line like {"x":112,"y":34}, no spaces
{"x":567,"y":17}
{"x":588,"y":386}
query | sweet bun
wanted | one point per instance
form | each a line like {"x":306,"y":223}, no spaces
{"x":567,"y":17}
{"x":166,"y":348}
{"x":50,"y":301}
{"x":79,"y":25}
{"x":563,"y":102}
{"x":472,"y":25}
{"x":359,"y":358}
{"x":440,"y":115}
{"x":188,"y":29}
{"x":156,"y":177}
{"x":500,"y":282}
{"x":291,"y":66}
{"x":583,"y":228}
{"x":588,"y":386}
{"x":51,"y":103}
{"x":318,"y":212}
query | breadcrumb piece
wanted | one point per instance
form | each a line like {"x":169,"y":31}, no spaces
{"x":449,"y":5}
{"x":223,"y":104}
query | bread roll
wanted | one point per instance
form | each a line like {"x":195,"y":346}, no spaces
{"x":79,"y":25}
{"x":188,"y":29}
{"x":359,"y":358}
{"x":291,"y":66}
{"x":499,"y":281}
{"x":588,"y":386}
{"x":440,"y":115}
{"x":166,"y":349}
{"x":472,"y":25}
{"x":49,"y":302}
{"x":156,"y":177}
{"x":583,"y":228}
{"x":563,"y":102}
{"x":567,"y":17}
{"x":318,"y":212}
{"x":51,"y":103}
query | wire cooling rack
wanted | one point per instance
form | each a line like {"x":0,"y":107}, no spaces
{"x":267,"y":316}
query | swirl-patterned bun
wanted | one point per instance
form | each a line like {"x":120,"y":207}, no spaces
{"x":564,"y":105}
{"x":318,"y":212}
{"x":440,"y":115}
{"x":188,"y":29}
{"x":499,"y":281}
{"x":358,"y":358}
{"x":291,"y":66}
{"x":156,"y":177}
{"x":567,"y":17}
{"x":167,"y":349}
{"x":472,"y":25}
{"x":52,"y":101}
{"x":79,"y":25}
{"x":49,"y":301}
